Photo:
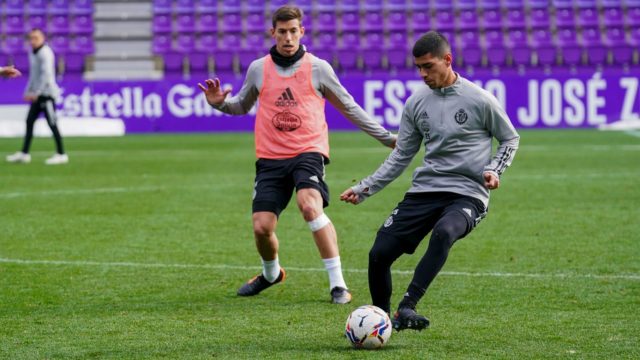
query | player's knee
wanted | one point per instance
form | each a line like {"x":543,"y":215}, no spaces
{"x":448,"y":230}
{"x":310,"y":211}
{"x":319,"y":222}
{"x":380,"y":254}
{"x":262,"y":228}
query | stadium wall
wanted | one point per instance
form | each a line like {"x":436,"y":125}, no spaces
{"x":536,"y":100}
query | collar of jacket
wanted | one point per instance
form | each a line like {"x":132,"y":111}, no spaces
{"x":451,"y":89}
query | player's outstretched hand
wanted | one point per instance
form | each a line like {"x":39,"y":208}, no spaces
{"x":350,"y":197}
{"x":491,"y":181}
{"x":213,"y":92}
{"x":10,"y":71}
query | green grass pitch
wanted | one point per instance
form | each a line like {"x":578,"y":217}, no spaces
{"x":136,"y":248}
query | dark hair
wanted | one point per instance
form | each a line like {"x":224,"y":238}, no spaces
{"x":432,"y":42}
{"x":286,"y":13}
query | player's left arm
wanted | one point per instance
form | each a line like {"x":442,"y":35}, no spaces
{"x":499,"y":126}
{"x":338,"y":96}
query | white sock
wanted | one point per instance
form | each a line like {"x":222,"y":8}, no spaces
{"x":334,"y":268}
{"x":271,"y":269}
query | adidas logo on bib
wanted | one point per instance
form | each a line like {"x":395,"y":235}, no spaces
{"x":286,"y":99}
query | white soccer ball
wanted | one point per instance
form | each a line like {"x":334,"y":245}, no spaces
{"x":368,"y":327}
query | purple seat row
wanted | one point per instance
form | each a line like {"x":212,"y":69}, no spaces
{"x":33,"y":7}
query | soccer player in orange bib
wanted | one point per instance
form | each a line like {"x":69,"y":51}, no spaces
{"x":292,"y":144}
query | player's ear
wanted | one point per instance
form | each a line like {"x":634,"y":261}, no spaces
{"x":301,"y":31}
{"x":273,"y":32}
{"x":448,"y":58}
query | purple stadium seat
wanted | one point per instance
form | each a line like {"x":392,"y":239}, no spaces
{"x":161,"y":23}
{"x":253,"y":48}
{"x":469,"y":48}
{"x":326,"y":21}
{"x":519,"y":48}
{"x":491,"y":19}
{"x":83,"y":44}
{"x":539,"y":18}
{"x":198,"y":63}
{"x":581,"y":4}
{"x":184,"y":7}
{"x":185,"y":23}
{"x":349,"y":5}
{"x":59,"y":44}
{"x":276,"y":4}
{"x":397,"y":5}
{"x":560,"y":4}
{"x":73,"y":63}
{"x":634,"y":37}
{"x":612,"y":17}
{"x":419,"y":5}
{"x":420,"y":21}
{"x":489,"y":4}
{"x":347,"y":57}
{"x":542,"y":42}
{"x":593,"y":46}
{"x":372,"y":56}
{"x":632,"y":20}
{"x":444,"y":19}
{"x":305,"y":6}
{"x":14,"y":44}
{"x":173,"y":62}
{"x":539,"y":4}
{"x":466,"y":4}
{"x":374,"y":5}
{"x":373,"y":21}
{"x":224,"y":59}
{"x":38,"y":21}
{"x":162,"y":6}
{"x":443,"y":5}
{"x":207,"y":42}
{"x":495,"y":49}
{"x":588,"y":17}
{"x":515,"y":19}
{"x":467,"y":20}
{"x":256,"y":22}
{"x":254,"y":6}
{"x":397,"y":57}
{"x":350,"y":21}
{"x":396,"y":21}
{"x":14,"y":7}
{"x":161,"y":43}
{"x":232,"y":22}
{"x":568,"y":47}
{"x":513,"y":4}
{"x":82,"y":24}
{"x":14,"y":24}
{"x":207,"y":6}
{"x":231,"y":6}
{"x":21,"y":61}
{"x":59,"y":7}
{"x":59,"y":24}
{"x":324,"y":45}
{"x":81,"y":7}
{"x":185,"y":43}
{"x":325,"y":5}
{"x":565,"y":18}
{"x":606,"y":4}
{"x":35,"y":7}
{"x":621,"y":49}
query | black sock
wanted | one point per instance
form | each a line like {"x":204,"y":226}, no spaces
{"x":447,"y":230}
{"x":386,"y":249}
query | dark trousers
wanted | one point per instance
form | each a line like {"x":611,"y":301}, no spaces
{"x":44,"y":104}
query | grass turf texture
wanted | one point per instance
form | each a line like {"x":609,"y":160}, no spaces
{"x":567,"y":206}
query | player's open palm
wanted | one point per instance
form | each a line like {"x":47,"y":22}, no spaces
{"x":213,"y":92}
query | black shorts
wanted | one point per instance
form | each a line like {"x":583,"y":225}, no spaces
{"x":276,"y":179}
{"x":417,"y":214}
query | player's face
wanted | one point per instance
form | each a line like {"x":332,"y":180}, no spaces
{"x":36,"y":39}
{"x":434,"y":70}
{"x":287,"y":35}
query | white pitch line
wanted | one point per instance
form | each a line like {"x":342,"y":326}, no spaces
{"x":305,"y":269}
{"x":79,"y":191}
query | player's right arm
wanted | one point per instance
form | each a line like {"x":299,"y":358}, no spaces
{"x":9,"y":71}
{"x":243,"y":101}
{"x":409,"y":142}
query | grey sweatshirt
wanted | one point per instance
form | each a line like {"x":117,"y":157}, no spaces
{"x":457,"y":125}
{"x":325,"y":82}
{"x":42,"y":73}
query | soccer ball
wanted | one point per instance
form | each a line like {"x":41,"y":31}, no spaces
{"x":368,"y":327}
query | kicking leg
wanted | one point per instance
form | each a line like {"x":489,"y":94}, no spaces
{"x":386,"y":249}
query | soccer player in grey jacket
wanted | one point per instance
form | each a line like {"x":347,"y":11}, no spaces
{"x":449,"y":195}
{"x":41,"y":92}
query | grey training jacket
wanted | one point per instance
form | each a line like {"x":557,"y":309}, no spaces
{"x":457,"y":125}
{"x":42,"y":73}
